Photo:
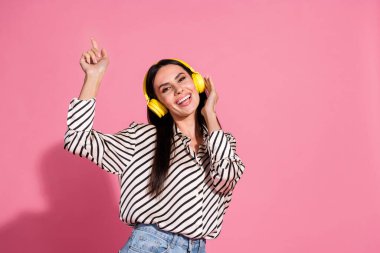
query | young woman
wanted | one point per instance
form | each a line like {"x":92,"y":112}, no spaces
{"x":178,"y":172}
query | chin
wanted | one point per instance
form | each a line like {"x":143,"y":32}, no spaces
{"x":183,"y":114}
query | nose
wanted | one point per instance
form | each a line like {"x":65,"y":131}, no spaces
{"x":178,"y":89}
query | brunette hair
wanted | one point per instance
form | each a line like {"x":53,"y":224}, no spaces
{"x":164,"y":126}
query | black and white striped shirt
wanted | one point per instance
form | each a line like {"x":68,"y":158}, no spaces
{"x":197,"y":190}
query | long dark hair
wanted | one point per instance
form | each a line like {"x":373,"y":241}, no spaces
{"x":164,"y":127}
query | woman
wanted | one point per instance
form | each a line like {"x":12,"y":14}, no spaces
{"x":178,"y":172}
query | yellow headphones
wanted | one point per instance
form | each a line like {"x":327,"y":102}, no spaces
{"x":156,"y":106}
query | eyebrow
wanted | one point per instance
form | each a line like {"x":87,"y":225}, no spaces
{"x":174,"y":78}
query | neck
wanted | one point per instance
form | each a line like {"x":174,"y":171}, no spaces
{"x":189,"y":126}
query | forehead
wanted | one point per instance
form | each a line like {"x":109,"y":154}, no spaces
{"x":167,"y":73}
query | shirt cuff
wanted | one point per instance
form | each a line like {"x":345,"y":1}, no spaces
{"x":80,"y":115}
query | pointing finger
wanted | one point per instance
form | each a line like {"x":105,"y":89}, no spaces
{"x":94,"y":43}
{"x":96,"y":52}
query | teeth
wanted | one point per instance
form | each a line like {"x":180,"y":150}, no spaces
{"x":183,"y":99}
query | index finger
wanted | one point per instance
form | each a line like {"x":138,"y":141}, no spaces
{"x":94,"y":44}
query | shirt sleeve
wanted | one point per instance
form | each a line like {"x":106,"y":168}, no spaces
{"x":111,"y":152}
{"x":226,"y":166}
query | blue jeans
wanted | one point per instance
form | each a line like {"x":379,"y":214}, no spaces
{"x":148,"y":238}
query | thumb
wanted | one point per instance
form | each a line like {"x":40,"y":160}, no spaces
{"x":104,"y":53}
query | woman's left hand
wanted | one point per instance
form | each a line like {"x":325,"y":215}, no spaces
{"x":212,"y":98}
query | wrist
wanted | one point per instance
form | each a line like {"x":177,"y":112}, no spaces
{"x":212,"y":121}
{"x":209,"y":113}
{"x":93,"y":77}
{"x":90,"y":87}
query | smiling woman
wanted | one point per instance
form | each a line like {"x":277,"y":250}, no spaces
{"x":173,"y":93}
{"x":177,"y":172}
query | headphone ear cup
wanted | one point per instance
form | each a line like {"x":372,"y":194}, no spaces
{"x":199,"y":82}
{"x":157,"y":107}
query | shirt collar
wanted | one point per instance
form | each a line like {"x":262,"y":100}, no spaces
{"x":177,"y":132}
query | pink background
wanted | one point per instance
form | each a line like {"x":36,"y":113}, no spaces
{"x":298,"y":85}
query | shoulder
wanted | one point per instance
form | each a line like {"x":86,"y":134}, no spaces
{"x":141,"y":125}
{"x":138,"y":132}
{"x":137,"y":127}
{"x":142,"y":128}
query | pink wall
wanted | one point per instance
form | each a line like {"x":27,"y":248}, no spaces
{"x":298,"y":85}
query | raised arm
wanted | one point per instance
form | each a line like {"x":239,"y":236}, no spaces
{"x":111,"y":152}
{"x":94,"y":63}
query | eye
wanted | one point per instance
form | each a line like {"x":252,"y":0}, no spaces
{"x":165,"y":89}
{"x":181,"y":78}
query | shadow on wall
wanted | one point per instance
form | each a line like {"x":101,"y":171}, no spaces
{"x":82,"y":213}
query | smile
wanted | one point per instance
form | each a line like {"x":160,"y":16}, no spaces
{"x":185,"y":100}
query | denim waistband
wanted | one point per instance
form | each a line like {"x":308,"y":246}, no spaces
{"x":174,"y":239}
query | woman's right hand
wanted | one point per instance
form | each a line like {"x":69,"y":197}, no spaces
{"x":94,"y":62}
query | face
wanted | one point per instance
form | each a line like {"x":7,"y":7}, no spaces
{"x":175,"y":89}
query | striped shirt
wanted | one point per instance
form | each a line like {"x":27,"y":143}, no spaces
{"x":197,"y":190}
